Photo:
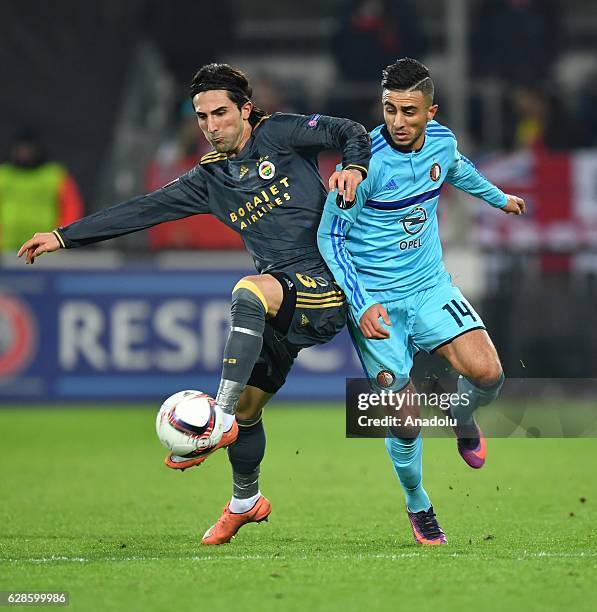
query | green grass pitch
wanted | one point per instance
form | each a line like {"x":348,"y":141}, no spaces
{"x":87,"y":506}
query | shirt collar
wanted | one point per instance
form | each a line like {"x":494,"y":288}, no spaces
{"x":384,"y":132}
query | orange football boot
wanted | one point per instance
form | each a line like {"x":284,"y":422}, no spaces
{"x":229,"y":523}
{"x":426,"y":529}
{"x":179,"y":462}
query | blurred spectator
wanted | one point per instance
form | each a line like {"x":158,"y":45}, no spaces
{"x":531,"y":109}
{"x":271,"y":95}
{"x":177,"y":156}
{"x":516,"y":40}
{"x":190,"y":33}
{"x":35,"y":194}
{"x":173,"y":159}
{"x":372,"y":34}
{"x":540,"y":122}
{"x":586,"y":104}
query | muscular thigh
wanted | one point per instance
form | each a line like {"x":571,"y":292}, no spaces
{"x":387,"y":363}
{"x":442,"y":315}
{"x":474,"y":356}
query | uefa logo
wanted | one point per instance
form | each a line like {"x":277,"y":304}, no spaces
{"x":17,"y":336}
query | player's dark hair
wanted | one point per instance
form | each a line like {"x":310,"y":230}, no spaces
{"x":233,"y":80}
{"x":408,"y":74}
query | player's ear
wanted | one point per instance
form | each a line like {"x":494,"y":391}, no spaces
{"x":246,"y":109}
{"x":431,"y":111}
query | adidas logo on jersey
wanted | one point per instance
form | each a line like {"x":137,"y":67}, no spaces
{"x":391,"y":184}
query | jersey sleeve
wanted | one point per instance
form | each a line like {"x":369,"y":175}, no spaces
{"x":464,"y":175}
{"x":334,"y":229}
{"x":183,"y":197}
{"x":320,"y":133}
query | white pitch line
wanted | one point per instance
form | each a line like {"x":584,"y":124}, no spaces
{"x":357,"y":557}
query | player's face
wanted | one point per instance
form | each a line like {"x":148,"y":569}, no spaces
{"x":224,"y":125}
{"x":406,"y":114}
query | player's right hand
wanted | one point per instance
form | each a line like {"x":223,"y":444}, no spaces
{"x":370,"y":325}
{"x":38,"y":245}
{"x":514,"y":205}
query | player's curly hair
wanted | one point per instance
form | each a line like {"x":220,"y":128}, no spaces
{"x":233,"y":80}
{"x":408,"y":74}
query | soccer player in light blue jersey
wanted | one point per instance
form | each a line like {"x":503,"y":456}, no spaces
{"x":384,"y":250}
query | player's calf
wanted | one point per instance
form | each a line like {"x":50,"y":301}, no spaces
{"x":253,"y":299}
{"x":247,"y":314}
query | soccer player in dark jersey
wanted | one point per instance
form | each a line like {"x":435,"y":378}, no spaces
{"x":262,"y":180}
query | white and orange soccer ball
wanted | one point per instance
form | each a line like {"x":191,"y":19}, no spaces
{"x":189,"y":421}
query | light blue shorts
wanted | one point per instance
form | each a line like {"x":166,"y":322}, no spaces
{"x":425,"y":320}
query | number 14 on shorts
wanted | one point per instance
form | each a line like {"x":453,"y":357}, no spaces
{"x":459,"y":310}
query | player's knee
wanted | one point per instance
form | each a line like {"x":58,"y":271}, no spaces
{"x":249,"y":408}
{"x":247,"y":413}
{"x":265,"y":287}
{"x":488,"y":374}
{"x":248,"y":289}
{"x":253,"y":278}
{"x":250,"y":405}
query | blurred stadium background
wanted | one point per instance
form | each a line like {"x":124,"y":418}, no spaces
{"x":102,"y":86}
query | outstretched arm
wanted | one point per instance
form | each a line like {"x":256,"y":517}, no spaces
{"x":464,"y":175}
{"x":183,"y":197}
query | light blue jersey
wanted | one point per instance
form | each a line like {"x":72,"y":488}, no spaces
{"x":386,"y":246}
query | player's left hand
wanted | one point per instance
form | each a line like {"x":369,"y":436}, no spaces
{"x":370,"y":325}
{"x":514,"y":205}
{"x":346,"y":181}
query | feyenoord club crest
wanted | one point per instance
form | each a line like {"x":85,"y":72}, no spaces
{"x":266,"y":170}
{"x":435,"y":172}
{"x":385,"y":378}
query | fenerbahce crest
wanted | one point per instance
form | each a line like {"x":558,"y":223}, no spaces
{"x":266,"y":170}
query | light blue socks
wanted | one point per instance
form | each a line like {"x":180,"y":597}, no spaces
{"x":407,"y":459}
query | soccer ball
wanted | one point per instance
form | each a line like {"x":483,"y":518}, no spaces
{"x":188,"y":422}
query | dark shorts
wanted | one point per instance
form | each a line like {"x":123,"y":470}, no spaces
{"x":313,"y":311}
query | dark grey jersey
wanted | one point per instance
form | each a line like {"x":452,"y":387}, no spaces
{"x":271,"y":193}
